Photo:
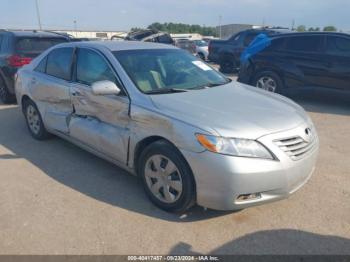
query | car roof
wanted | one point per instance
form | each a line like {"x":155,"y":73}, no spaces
{"x":20,"y":33}
{"x":309,"y":33}
{"x":118,"y":45}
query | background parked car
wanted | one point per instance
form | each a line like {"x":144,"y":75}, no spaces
{"x":18,"y":48}
{"x":227,"y":53}
{"x":202,"y":49}
{"x":186,"y":44}
{"x":300,"y":60}
{"x":150,"y":36}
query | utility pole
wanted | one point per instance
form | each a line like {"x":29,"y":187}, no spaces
{"x":293,"y":24}
{"x":75,"y":28}
{"x":38,"y":13}
{"x":220,"y":32}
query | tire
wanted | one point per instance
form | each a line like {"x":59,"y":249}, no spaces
{"x":201,"y":56}
{"x":227,"y":65}
{"x":34,"y":121}
{"x":273,"y":81}
{"x":162,"y":166}
{"x":5,"y":95}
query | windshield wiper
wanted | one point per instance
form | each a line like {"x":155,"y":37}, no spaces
{"x":166,"y":91}
{"x":209,"y":85}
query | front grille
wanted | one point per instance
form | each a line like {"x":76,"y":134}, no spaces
{"x":296,"y":147}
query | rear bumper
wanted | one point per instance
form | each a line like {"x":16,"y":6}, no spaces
{"x":221,"y":180}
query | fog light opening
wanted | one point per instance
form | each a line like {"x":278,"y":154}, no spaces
{"x":248,"y":197}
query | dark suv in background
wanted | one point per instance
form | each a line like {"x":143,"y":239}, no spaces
{"x":300,"y":60}
{"x":18,"y":48}
{"x":227,"y":53}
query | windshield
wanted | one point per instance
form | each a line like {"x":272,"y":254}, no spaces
{"x":155,"y":70}
{"x":200,"y":43}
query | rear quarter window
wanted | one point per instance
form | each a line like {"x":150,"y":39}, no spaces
{"x":338,"y":46}
{"x":41,"y":67}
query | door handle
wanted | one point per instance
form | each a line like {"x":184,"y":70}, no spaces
{"x":76,"y":93}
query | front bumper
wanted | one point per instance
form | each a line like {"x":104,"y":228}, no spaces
{"x":221,"y":180}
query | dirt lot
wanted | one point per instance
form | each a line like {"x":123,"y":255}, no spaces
{"x":58,"y":199}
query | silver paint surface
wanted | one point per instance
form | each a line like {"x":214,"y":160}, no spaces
{"x":112,"y":127}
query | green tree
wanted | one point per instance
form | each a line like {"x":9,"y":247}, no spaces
{"x":178,"y":28}
{"x":135,"y":29}
{"x":316,"y":29}
{"x":301,"y":28}
{"x":330,"y":28}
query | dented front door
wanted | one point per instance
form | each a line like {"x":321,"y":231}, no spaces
{"x":99,"y":121}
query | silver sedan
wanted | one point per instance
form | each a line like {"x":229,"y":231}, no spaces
{"x":191,"y":134}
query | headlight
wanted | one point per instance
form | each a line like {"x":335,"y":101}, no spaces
{"x":234,"y":146}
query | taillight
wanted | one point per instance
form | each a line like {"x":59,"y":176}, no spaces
{"x":209,"y":47}
{"x":18,"y":61}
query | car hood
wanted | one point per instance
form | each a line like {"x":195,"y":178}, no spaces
{"x":233,"y":110}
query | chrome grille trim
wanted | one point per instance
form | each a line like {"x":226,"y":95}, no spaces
{"x":296,"y":147}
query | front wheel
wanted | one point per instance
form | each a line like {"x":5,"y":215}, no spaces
{"x":167,"y":178}
{"x":268,"y":81}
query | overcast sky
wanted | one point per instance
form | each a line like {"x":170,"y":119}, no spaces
{"x":122,"y":15}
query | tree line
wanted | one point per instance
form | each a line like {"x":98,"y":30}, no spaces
{"x":179,"y":28}
{"x":302,"y":28}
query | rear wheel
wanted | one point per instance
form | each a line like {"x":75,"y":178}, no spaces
{"x":5,"y":95}
{"x":201,"y":56}
{"x":167,"y":178}
{"x":34,"y":121}
{"x":268,"y":81}
{"x":227,"y":65}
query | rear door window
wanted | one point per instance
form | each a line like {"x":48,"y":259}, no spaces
{"x":304,"y":43}
{"x":338,"y":46}
{"x":59,"y":63}
{"x":165,"y":39}
{"x":249,"y":38}
{"x":42,"y":65}
{"x":276,"y":44}
{"x":35,"y":45}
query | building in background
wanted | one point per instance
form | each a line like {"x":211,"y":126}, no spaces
{"x":190,"y":36}
{"x":105,"y":35}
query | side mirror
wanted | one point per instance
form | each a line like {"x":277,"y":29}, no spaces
{"x":105,"y":88}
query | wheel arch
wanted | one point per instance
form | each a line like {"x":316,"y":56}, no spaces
{"x":259,"y":70}
{"x":144,"y":143}
{"x":24,"y":99}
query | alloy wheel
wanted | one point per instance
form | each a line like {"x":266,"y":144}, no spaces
{"x":267,"y":83}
